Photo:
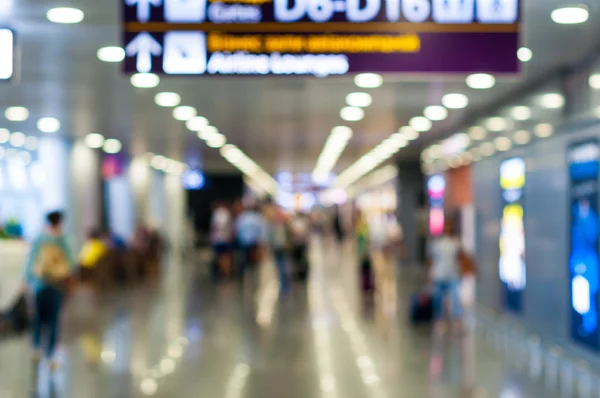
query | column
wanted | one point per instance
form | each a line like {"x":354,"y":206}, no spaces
{"x":410,"y":202}
{"x":119,"y":203}
{"x":139,"y":177}
{"x":85,"y":191}
{"x":175,"y":210}
{"x":156,"y":209}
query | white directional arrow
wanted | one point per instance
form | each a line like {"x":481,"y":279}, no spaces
{"x":143,"y":8}
{"x":144,"y":46}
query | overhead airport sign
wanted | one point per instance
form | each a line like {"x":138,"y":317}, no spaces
{"x":7,"y":54}
{"x":320,"y":37}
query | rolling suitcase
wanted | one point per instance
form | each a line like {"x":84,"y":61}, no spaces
{"x":421,"y":308}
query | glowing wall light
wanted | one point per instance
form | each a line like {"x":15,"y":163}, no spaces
{"x":512,"y":265}
{"x":583,"y":159}
{"x":436,"y":189}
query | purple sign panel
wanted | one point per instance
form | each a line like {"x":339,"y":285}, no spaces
{"x":320,"y":37}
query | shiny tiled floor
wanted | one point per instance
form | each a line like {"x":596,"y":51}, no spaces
{"x":189,"y":338}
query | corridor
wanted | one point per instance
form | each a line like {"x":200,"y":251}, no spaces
{"x":190,"y":338}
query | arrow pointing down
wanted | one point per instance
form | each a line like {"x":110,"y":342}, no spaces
{"x":144,"y":46}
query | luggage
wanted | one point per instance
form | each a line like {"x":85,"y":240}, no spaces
{"x":421,"y":308}
{"x":367,"y":284}
{"x":16,"y":319}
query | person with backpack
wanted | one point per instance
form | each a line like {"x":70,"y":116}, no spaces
{"x":47,"y":273}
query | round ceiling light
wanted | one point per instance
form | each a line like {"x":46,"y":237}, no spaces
{"x":167,"y":99}
{"x":477,"y":133}
{"x":480,"y":81}
{"x":398,"y":140}
{"x":4,"y":136}
{"x":17,"y":139}
{"x":17,"y":113}
{"x":48,"y":125}
{"x":111,"y":54}
{"x":521,"y":113}
{"x":352,"y":113}
{"x":487,"y":149}
{"x":455,"y":101}
{"x":216,"y":141}
{"x":552,"y":100}
{"x":570,"y":15}
{"x":503,"y":144}
{"x":65,"y":15}
{"x":342,"y":133}
{"x":94,"y":140}
{"x":435,"y":112}
{"x":31,"y":143}
{"x":359,"y":99}
{"x":409,"y":133}
{"x":145,"y":80}
{"x":522,"y":137}
{"x":594,"y":81}
{"x":184,"y":113}
{"x":420,"y":123}
{"x":112,"y":146}
{"x":544,"y":130}
{"x":208,"y":133}
{"x":159,"y":162}
{"x":196,"y":123}
{"x":368,"y":80}
{"x":524,"y":54}
{"x":24,"y":157}
{"x":496,"y":124}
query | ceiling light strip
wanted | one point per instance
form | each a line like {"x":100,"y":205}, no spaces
{"x":242,"y":162}
{"x":333,"y":148}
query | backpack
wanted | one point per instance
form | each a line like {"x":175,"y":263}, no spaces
{"x":52,"y":265}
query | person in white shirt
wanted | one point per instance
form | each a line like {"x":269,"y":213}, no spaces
{"x":251,"y":229}
{"x":444,"y":272}
{"x":221,"y":232}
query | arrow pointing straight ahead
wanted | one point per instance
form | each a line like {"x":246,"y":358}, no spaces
{"x":144,"y":46}
{"x":143,"y":8}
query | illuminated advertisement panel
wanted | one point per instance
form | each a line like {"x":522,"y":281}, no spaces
{"x":436,"y":189}
{"x":511,"y":266}
{"x":583,"y":257}
{"x":320,"y":37}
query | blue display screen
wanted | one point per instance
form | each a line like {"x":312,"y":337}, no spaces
{"x":584,"y":169}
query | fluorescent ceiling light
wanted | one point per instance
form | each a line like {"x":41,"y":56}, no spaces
{"x":352,"y":114}
{"x":544,"y":130}
{"x":477,"y":133}
{"x":208,"y":132}
{"x":112,"y":146}
{"x":17,"y":139}
{"x":65,"y":15}
{"x":420,"y":123}
{"x":184,"y":113}
{"x":435,"y":112}
{"x":359,"y":99}
{"x":159,"y":162}
{"x":31,"y":143}
{"x":343,"y":133}
{"x":409,"y":133}
{"x":398,"y":140}
{"x":595,"y":81}
{"x":111,"y":54}
{"x":496,"y":124}
{"x":94,"y":140}
{"x":196,"y":123}
{"x":521,"y":113}
{"x":552,"y":100}
{"x":216,"y":141}
{"x":455,"y":101}
{"x":167,"y":99}
{"x":570,"y":15}
{"x":524,"y":54}
{"x":48,"y":125}
{"x":16,"y":113}
{"x":4,"y":136}
{"x":503,"y":144}
{"x":368,"y":80}
{"x":522,"y":137}
{"x":481,"y":81}
{"x":145,"y":80}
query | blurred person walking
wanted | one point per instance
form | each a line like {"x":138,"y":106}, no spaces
{"x":251,"y":233}
{"x":47,"y":273}
{"x":278,"y":242}
{"x":221,"y":233}
{"x":92,"y":252}
{"x":300,"y":234}
{"x":444,"y":262}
